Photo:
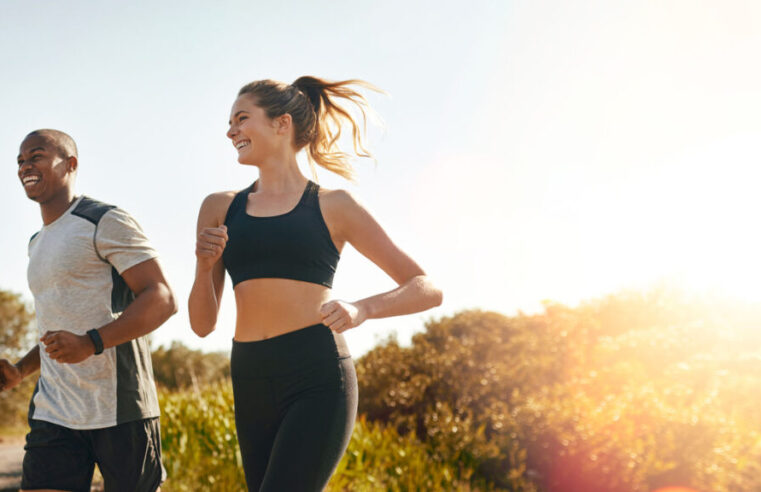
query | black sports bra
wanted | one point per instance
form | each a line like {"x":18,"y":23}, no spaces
{"x":295,"y":245}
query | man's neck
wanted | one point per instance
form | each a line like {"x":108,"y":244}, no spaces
{"x":56,"y":206}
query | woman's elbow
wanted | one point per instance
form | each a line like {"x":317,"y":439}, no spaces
{"x":432,"y":294}
{"x":435,"y":296}
{"x":200,"y":324}
{"x":201,"y":331}
{"x":438,"y":297}
{"x":170,"y":303}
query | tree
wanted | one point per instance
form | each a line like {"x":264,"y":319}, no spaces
{"x":16,"y":338}
{"x":179,"y":367}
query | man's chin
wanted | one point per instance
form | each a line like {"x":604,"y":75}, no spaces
{"x":33,"y":196}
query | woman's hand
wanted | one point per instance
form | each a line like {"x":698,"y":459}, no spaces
{"x":339,"y":316}
{"x":210,"y":245}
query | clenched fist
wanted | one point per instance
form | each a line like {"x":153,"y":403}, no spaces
{"x":339,"y":316}
{"x":10,"y":376}
{"x":210,"y":245}
{"x":64,"y":346}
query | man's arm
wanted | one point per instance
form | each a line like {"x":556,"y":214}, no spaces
{"x":153,"y":305}
{"x":11,"y":375}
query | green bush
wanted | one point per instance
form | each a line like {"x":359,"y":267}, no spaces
{"x":628,"y":393}
{"x":198,"y":439}
{"x":200,"y":451}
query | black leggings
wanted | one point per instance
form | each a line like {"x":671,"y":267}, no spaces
{"x":295,"y":406}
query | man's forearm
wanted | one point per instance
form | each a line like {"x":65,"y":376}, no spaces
{"x":29,"y":363}
{"x":148,"y":311}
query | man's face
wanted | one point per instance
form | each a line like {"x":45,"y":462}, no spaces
{"x":42,"y":169}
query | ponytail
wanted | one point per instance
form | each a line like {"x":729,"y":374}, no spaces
{"x":316,"y":117}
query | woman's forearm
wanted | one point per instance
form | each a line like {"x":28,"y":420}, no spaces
{"x":203,"y":305}
{"x":413,"y":296}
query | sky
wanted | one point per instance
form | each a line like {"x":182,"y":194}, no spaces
{"x":529,"y":151}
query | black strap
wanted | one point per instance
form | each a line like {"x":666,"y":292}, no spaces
{"x":235,"y":205}
{"x":96,"y":340}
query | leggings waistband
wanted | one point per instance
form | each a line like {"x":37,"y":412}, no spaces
{"x":287,"y":353}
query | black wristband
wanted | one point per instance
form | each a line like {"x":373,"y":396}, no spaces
{"x":96,"y":340}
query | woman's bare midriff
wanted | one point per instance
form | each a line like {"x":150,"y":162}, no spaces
{"x":268,"y":307}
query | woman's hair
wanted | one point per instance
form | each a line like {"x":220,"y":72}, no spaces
{"x":317,"y":119}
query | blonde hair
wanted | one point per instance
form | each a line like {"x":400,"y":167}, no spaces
{"x":317,"y":119}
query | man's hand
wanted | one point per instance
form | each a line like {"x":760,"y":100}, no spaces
{"x":10,"y":376}
{"x":66,"y":347}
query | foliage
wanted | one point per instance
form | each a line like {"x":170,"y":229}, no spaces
{"x":16,"y":334}
{"x":16,"y":338}
{"x":200,"y":451}
{"x":198,"y":438}
{"x":628,"y":393}
{"x":179,"y":367}
{"x":378,"y":458}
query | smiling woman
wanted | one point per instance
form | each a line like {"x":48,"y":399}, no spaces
{"x":280,"y":239}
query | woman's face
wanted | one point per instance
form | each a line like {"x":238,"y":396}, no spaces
{"x":253,"y":134}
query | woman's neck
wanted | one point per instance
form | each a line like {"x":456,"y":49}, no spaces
{"x":277,"y":177}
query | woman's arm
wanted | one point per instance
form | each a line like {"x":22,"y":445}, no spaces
{"x":206,"y":294}
{"x":351,"y":222}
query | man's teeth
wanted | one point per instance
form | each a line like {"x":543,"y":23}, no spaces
{"x":30,"y":180}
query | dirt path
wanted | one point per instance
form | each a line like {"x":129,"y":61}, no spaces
{"x":11,"y":456}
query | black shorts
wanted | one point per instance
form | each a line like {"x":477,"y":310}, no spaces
{"x":128,"y":456}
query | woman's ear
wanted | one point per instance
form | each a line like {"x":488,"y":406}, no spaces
{"x":283,"y":124}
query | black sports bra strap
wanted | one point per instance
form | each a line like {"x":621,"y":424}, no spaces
{"x":239,"y":200}
{"x":312,"y":193}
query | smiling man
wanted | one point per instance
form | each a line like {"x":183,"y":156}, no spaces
{"x":98,"y":290}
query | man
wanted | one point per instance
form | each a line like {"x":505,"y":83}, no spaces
{"x":98,"y":290}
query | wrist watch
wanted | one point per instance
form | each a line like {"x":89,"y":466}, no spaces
{"x":96,"y":340}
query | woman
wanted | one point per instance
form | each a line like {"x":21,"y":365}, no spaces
{"x":280,"y":239}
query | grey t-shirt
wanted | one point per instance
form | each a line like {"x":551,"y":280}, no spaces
{"x":74,"y":273}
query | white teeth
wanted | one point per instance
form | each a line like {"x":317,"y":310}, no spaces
{"x":240,"y":145}
{"x":30,"y":180}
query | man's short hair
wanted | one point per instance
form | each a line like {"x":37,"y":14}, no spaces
{"x":63,"y":142}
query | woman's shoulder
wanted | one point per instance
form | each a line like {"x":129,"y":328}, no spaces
{"x":342,"y":210}
{"x":214,"y":206}
{"x":338,"y":198}
{"x":219,"y":197}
